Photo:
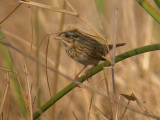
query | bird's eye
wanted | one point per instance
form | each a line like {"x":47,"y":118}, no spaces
{"x":66,"y":35}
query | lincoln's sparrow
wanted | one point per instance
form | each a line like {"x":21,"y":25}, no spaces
{"x":84,"y":48}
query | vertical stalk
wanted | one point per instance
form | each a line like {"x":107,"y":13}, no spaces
{"x":57,"y":62}
{"x":37,"y":57}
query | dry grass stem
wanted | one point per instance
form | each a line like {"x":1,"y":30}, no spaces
{"x":28,"y":31}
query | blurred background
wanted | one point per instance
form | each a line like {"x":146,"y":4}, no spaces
{"x":28,"y":30}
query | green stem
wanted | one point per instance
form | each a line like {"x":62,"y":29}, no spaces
{"x":152,"y":11}
{"x":92,"y":72}
{"x":157,"y":3}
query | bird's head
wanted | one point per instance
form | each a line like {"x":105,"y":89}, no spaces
{"x":68,"y":38}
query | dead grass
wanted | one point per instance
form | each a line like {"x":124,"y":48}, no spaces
{"x":139,"y":75}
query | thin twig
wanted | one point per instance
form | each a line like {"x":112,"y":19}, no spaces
{"x":48,"y":7}
{"x":125,"y":110}
{"x":90,"y":106}
{"x":57,"y":61}
{"x":4,"y":94}
{"x":31,"y":45}
{"x":107,"y":117}
{"x":113,"y":51}
{"x":70,"y":6}
{"x":108,"y":92}
{"x":11,"y":13}
{"x":47,"y":69}
{"x":30,"y":111}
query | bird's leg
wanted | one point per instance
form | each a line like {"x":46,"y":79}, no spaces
{"x":80,"y":72}
{"x":85,"y":73}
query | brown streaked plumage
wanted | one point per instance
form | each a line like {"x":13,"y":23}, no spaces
{"x":83,"y":48}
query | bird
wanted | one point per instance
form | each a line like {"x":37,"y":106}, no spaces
{"x":84,"y":48}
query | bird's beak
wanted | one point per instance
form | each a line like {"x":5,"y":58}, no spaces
{"x":58,"y":37}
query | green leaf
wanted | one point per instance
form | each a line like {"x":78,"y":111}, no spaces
{"x":150,"y":9}
{"x":14,"y":79}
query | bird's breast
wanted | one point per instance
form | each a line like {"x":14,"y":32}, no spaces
{"x":81,"y":57}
